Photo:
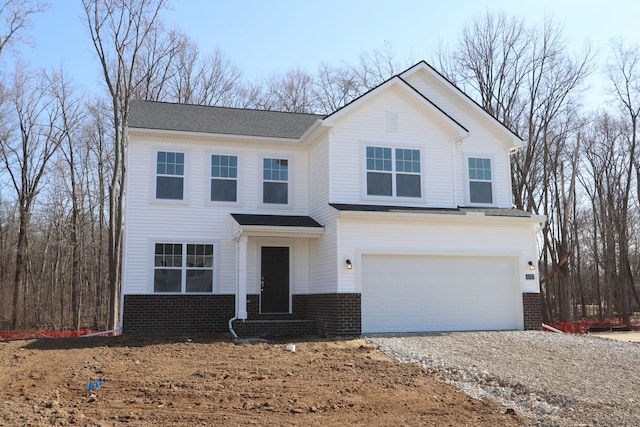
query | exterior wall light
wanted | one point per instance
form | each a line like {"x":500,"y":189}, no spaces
{"x":531,"y":266}
{"x":349,"y":265}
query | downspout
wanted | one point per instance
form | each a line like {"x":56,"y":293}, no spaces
{"x":116,"y":331}
{"x":233,"y":333}
{"x":455,"y":172}
{"x":454,"y":155}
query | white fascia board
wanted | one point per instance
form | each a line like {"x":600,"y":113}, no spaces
{"x":204,"y":135}
{"x":474,"y":217}
{"x":517,"y":142}
{"x":275,"y":231}
{"x":462,"y":133}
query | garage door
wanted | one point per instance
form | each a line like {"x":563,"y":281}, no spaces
{"x":439,"y":293}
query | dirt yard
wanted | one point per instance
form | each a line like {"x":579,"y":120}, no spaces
{"x":212,"y":381}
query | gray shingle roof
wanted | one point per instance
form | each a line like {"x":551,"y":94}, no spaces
{"x":276,"y":220}
{"x":219,"y":120}
{"x":451,"y":211}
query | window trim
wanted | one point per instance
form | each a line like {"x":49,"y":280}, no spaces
{"x":289,"y":181}
{"x":393,"y":145}
{"x":155,"y":175}
{"x":184,"y":268}
{"x":467,"y":181}
{"x":238,"y":179}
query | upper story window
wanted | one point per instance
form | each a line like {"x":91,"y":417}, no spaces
{"x":176,"y":273}
{"x":480,"y":180}
{"x":224,"y":178}
{"x":170,"y":175}
{"x":393,"y":172}
{"x":275,"y":181}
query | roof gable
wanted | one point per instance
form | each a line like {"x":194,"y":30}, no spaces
{"x":219,"y":120}
{"x":294,"y":126}
{"x":456,"y":91}
{"x":399,"y":82}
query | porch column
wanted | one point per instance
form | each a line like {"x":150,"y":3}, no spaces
{"x":241,"y":296}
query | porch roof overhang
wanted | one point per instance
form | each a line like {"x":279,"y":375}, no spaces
{"x":457,"y":213}
{"x":299,"y":226}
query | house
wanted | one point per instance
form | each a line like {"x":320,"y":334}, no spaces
{"x":392,"y":214}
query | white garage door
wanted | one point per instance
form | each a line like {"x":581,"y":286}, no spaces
{"x":439,"y":293}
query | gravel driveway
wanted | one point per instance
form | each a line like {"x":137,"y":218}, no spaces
{"x":555,"y":379}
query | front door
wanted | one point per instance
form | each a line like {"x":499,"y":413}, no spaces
{"x":274,"y":283}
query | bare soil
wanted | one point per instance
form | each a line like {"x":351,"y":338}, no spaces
{"x":212,"y":381}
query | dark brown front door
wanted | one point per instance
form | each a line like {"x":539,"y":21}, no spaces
{"x":274,"y":284}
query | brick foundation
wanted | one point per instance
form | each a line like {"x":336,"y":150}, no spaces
{"x":177,"y":314}
{"x":532,"y":310}
{"x":317,"y":314}
{"x":336,"y":314}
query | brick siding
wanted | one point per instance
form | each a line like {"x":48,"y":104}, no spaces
{"x":324,"y":314}
{"x":336,"y":314}
{"x":177,"y":314}
{"x":532,"y":310}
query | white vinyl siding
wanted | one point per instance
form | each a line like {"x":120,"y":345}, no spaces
{"x":196,"y":218}
{"x":423,"y":235}
{"x":323,"y":269}
{"x":483,"y":138}
{"x":418,"y":129}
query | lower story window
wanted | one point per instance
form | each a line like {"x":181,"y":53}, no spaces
{"x":183,"y":268}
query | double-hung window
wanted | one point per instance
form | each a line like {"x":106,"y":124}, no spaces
{"x":480,"y":180}
{"x":275,"y":181}
{"x":183,"y":268}
{"x":169,"y":175}
{"x":224,"y":178}
{"x":393,"y":172}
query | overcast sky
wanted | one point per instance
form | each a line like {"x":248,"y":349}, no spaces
{"x":268,"y":36}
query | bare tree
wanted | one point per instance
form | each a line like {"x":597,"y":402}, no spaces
{"x":524,"y":78}
{"x":334,"y":87}
{"x":375,"y":67}
{"x":71,"y":116}
{"x":600,"y":177}
{"x":25,"y":154}
{"x":119,"y":30}
{"x":156,"y":63}
{"x":208,"y":80}
{"x":15,"y":18}
{"x":624,"y":75}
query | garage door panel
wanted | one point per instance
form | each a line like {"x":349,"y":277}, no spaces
{"x":439,"y":293}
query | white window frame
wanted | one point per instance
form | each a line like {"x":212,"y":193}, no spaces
{"x":237,"y":179}
{"x":183,"y":268}
{"x":468,"y":180}
{"x":155,"y":175}
{"x":289,"y":181}
{"x":393,"y":146}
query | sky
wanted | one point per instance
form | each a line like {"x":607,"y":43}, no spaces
{"x":266,"y":36}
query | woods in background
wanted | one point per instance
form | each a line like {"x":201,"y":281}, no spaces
{"x":62,"y":153}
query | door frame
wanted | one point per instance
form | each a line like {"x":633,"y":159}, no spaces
{"x":277,"y":244}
